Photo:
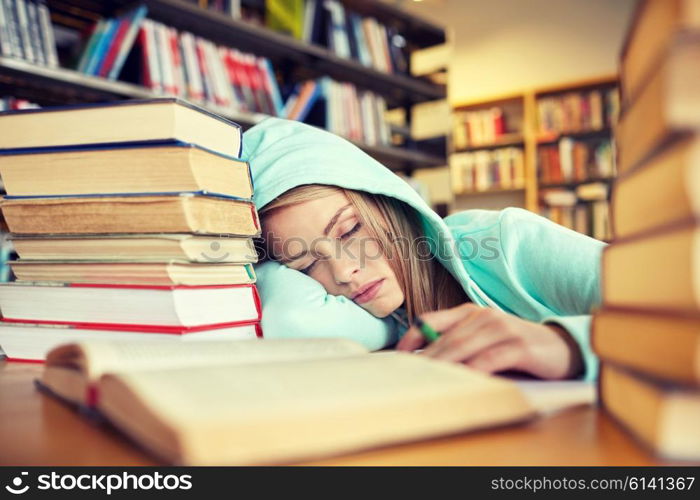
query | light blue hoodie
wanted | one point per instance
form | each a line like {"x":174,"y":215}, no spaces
{"x":510,"y":259}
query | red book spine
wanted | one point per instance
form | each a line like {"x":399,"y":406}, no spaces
{"x":116,"y":42}
{"x":145,"y":58}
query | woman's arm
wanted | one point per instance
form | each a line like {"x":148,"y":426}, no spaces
{"x":295,"y":305}
{"x":546,"y":274}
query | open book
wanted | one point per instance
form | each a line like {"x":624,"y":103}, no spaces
{"x":275,"y":401}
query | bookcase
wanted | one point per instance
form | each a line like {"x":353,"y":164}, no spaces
{"x":293,"y":60}
{"x":549,"y":150}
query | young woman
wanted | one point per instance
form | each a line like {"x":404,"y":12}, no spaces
{"x":350,"y":249}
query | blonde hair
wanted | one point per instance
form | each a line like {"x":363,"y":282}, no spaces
{"x":426,"y":283}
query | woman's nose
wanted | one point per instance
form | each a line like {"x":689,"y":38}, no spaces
{"x":343,"y":268}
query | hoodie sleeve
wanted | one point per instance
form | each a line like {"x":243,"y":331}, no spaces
{"x":295,"y":305}
{"x":560,"y":268}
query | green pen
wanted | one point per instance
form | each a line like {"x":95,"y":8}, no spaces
{"x":430,"y":334}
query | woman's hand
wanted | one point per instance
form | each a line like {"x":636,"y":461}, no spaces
{"x":490,"y":340}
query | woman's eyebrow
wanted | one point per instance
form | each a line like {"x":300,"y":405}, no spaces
{"x":334,"y":219}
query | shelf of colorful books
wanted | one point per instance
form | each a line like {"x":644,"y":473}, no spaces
{"x":72,"y":86}
{"x":398,"y":89}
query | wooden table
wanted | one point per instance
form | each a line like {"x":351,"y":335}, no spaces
{"x":37,"y":430}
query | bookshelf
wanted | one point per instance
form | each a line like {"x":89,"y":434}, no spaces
{"x":565,"y":134}
{"x":294,"y":58}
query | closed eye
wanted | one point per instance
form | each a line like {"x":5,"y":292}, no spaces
{"x":355,"y":229}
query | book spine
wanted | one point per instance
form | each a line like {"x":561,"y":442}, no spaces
{"x":47,"y":35}
{"x":101,"y":46}
{"x":128,"y":42}
{"x":205,"y":72}
{"x":165,"y":58}
{"x":13,"y":29}
{"x":35,"y":33}
{"x":116,"y":39}
{"x":6,"y":48}
{"x":20,"y":10}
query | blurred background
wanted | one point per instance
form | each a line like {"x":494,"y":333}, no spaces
{"x":477,"y":104}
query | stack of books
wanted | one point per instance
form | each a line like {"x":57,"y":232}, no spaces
{"x":132,"y":220}
{"x":647,"y":333}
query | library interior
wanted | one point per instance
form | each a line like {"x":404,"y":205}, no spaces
{"x":214,"y":212}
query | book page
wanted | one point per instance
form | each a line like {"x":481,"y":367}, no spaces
{"x":283,"y":411}
{"x":96,"y":358}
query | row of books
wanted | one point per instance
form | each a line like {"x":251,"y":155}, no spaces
{"x":135,"y":232}
{"x":110,"y":43}
{"x":478,"y":128}
{"x":589,"y":218}
{"x":647,"y":331}
{"x":572,"y":112}
{"x":183,"y":65}
{"x":348,"y":35}
{"x":502,"y":168}
{"x":26,"y":32}
{"x":8,"y":103}
{"x":341,"y":108}
{"x":574,"y":161}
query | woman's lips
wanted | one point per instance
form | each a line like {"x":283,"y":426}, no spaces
{"x":368,"y":292}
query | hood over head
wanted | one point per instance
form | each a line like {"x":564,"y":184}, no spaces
{"x":284,"y":154}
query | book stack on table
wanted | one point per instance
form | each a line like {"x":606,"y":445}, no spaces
{"x":648,"y":331}
{"x":132,"y":220}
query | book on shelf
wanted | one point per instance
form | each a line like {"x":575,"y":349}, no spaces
{"x":136,"y":247}
{"x":135,"y":273}
{"x":657,"y":23}
{"x":485,"y":170}
{"x":666,"y":185}
{"x":661,"y":415}
{"x":666,"y":345}
{"x":240,"y":402}
{"x":26,"y":32}
{"x":141,"y":121}
{"x":285,"y":16}
{"x":667,"y":103}
{"x":171,"y":307}
{"x":145,"y":168}
{"x":575,"y":160}
{"x":166,"y":213}
{"x":22,"y":341}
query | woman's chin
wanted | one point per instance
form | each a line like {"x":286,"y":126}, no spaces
{"x":385,"y":306}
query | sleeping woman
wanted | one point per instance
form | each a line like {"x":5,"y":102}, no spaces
{"x":349,"y":249}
